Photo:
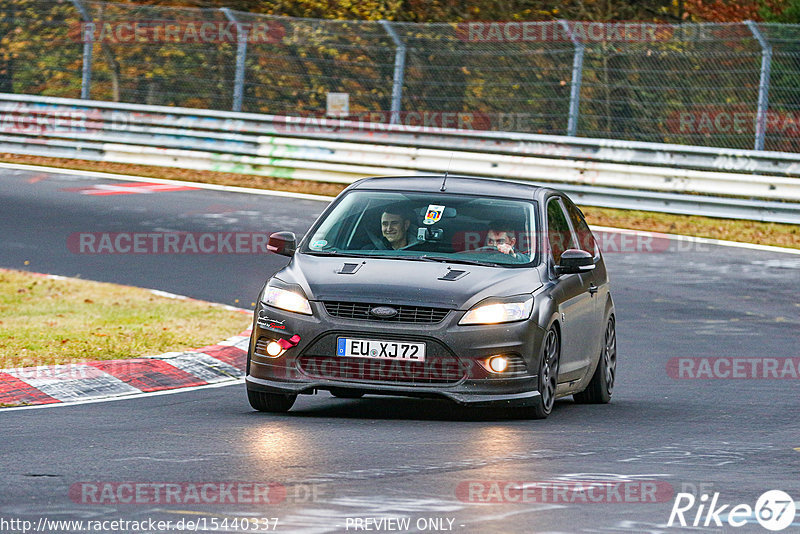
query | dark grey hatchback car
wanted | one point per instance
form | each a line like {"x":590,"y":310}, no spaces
{"x":485,"y":292}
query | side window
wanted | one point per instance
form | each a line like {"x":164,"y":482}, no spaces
{"x":559,"y":233}
{"x":585,"y":238}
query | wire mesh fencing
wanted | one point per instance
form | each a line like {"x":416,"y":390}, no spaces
{"x":725,"y":85}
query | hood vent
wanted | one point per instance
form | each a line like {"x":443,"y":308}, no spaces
{"x":454,"y":274}
{"x":349,"y":268}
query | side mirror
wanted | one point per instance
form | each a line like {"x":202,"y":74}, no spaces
{"x":282,"y":243}
{"x":575,"y":261}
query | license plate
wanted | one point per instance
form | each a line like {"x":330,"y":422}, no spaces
{"x":381,"y":350}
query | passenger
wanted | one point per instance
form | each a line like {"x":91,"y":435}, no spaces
{"x":394,"y":227}
{"x":394,"y":231}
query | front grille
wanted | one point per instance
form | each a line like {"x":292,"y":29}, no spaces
{"x":445,"y":370}
{"x":405,"y":314}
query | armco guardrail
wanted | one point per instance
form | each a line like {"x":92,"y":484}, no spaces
{"x":670,"y":178}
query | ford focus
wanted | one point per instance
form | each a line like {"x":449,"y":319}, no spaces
{"x":481,"y":291}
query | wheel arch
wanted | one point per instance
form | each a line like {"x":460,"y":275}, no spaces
{"x":610,"y":309}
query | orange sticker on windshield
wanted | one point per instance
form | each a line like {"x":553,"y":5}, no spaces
{"x":433,"y":214}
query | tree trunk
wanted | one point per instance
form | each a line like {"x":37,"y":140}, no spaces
{"x":7,"y":17}
{"x":111,"y":60}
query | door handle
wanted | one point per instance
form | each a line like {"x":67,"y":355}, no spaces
{"x":592,"y":288}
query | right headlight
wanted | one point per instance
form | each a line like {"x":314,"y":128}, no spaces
{"x":506,"y":311}
{"x":285,"y":298}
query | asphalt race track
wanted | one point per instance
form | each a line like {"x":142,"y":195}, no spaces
{"x":332,"y":462}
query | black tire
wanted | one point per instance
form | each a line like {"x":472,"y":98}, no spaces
{"x":548,"y":375}
{"x":601,"y":386}
{"x":347,"y":393}
{"x":270,"y":402}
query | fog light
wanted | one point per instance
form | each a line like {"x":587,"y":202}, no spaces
{"x":274,"y":349}
{"x":498,"y":364}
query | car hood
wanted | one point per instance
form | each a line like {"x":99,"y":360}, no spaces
{"x":405,"y":282}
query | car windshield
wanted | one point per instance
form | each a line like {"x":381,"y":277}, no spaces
{"x":427,"y":227}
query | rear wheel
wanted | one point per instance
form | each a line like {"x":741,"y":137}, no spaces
{"x":601,"y":386}
{"x":548,"y":375}
{"x":270,"y":402}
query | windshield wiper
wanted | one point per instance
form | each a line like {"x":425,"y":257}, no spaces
{"x":324,"y":253}
{"x":342,"y":253}
{"x":458,"y":260}
{"x":346,"y":254}
{"x":437,"y":259}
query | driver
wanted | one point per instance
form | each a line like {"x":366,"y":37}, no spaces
{"x":502,"y":237}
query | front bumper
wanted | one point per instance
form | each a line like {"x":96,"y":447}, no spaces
{"x":451,"y":370}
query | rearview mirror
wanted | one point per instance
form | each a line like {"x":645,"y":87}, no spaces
{"x":282,"y":243}
{"x":575,"y":261}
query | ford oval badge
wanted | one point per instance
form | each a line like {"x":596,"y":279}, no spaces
{"x":383,"y":312}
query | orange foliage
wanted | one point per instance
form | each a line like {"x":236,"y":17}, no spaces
{"x":728,"y":10}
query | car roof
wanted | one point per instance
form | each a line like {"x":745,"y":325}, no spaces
{"x":468,"y":185}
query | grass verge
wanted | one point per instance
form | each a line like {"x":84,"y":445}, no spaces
{"x":45,"y":321}
{"x":781,"y":235}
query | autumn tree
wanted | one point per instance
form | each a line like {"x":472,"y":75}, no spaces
{"x":783,"y":11}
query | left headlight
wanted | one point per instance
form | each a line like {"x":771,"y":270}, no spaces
{"x":285,"y":298}
{"x":505,"y":311}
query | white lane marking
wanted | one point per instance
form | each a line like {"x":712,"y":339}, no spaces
{"x":152,"y":459}
{"x":323,"y":198}
{"x":168,"y":295}
{"x":779,"y":264}
{"x":175,"y":296}
{"x":132,"y":178}
{"x":227,"y":382}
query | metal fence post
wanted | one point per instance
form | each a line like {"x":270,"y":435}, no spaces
{"x":577,"y":78}
{"x":88,"y":46}
{"x":241,"y":55}
{"x":763,"y":85}
{"x":399,"y":71}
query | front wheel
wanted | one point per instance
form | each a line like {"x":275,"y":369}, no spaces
{"x":548,"y":375}
{"x":270,"y":402}
{"x":601,"y":386}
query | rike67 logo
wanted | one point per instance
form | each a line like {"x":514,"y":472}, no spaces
{"x":774,"y":510}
